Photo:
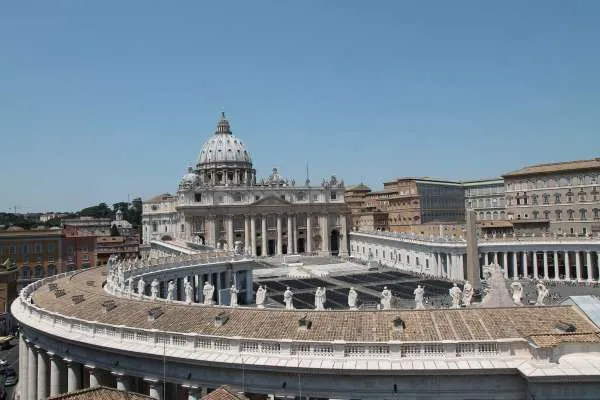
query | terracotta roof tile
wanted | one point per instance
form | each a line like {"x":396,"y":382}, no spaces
{"x":100,"y":393}
{"x":579,"y":165}
{"x":224,"y":393}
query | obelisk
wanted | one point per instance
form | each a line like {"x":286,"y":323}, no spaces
{"x":473,"y":269}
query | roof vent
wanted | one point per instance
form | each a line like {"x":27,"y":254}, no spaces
{"x":108,"y":305}
{"x":304,"y":323}
{"x":565,"y":327}
{"x":52,"y":287}
{"x":154,"y":313}
{"x":78,"y":298}
{"x":399,"y":325}
{"x":59,"y":293}
{"x":221,"y":319}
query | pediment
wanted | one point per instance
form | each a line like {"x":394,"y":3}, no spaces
{"x":271,"y":201}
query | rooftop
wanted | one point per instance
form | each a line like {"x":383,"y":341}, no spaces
{"x":100,"y":393}
{"x":224,"y":393}
{"x":352,"y":326}
{"x":568,"y":166}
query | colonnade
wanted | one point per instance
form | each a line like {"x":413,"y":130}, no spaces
{"x":547,"y":264}
{"x":43,"y":373}
{"x":288,"y":236}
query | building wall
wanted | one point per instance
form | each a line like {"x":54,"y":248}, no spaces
{"x":486,"y":198}
{"x":561,"y":202}
{"x":36,"y":254}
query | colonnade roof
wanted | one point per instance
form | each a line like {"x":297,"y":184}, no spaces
{"x":473,"y":324}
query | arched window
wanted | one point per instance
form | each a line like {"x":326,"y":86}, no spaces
{"x":39,"y":271}
{"x":558,"y":214}
{"x":51,"y":270}
{"x":571,"y":214}
{"x":546,"y":198}
{"x":596,"y":213}
{"x":582,"y":213}
{"x":25,"y":273}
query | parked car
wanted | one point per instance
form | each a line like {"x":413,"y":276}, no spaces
{"x":11,"y":377}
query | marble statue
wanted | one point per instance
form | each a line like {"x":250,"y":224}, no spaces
{"x":288,"y":296}
{"x":320,"y":298}
{"x":208,"y":291}
{"x":170,"y":291}
{"x":154,"y":287}
{"x":455,"y":293}
{"x":386,"y":299}
{"x":189,"y":292}
{"x":467,"y":293}
{"x":233,"y":296}
{"x":419,"y":292}
{"x":517,"y":290}
{"x":352,"y":297}
{"x":261,"y":294}
{"x":129,"y":287}
{"x":542,"y":292}
{"x":141,"y":287}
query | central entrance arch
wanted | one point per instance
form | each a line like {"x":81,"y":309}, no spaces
{"x":334,"y":244}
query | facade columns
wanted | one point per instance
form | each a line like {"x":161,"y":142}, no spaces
{"x":55,"y":374}
{"x":486,"y":258}
{"x":247,"y":240}
{"x":279,"y":236}
{"x":229,"y":222}
{"x":295,"y":239}
{"x":546,"y":276}
{"x":31,"y":372}
{"x":496,"y":257}
{"x":42,"y":373}
{"x":567,"y":266}
{"x":324,"y":233}
{"x":73,"y":375}
{"x":505,"y":264}
{"x":93,"y":374}
{"x":253,"y":236}
{"x":343,"y":236}
{"x":588,"y":261}
{"x":290,"y":235}
{"x":524,"y":264}
{"x":308,"y":234}
{"x":211,"y":239}
{"x":515,"y":266}
{"x":555,"y":262}
{"x":535,"y":266}
{"x":578,"y":265}
{"x":264,"y":236}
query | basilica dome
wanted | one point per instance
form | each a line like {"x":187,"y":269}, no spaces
{"x":223,"y":147}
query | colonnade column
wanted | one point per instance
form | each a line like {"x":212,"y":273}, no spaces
{"x":343,"y":236}
{"x":495,"y":257}
{"x":93,"y":374}
{"x":279,"y":236}
{"x":247,"y":234}
{"x":308,"y":234}
{"x":122,"y":381}
{"x":42,"y":373}
{"x":546,"y":276}
{"x":253,"y":236}
{"x":290,"y":235}
{"x":325,"y":233}
{"x":505,"y":264}
{"x":23,"y":358}
{"x":31,"y":372}
{"x":73,"y":375}
{"x":155,"y":389}
{"x":486,"y":258}
{"x":524,"y":264}
{"x":229,"y":222}
{"x":55,"y":374}
{"x":264,"y":236}
{"x":535,"y":266}
{"x":588,"y":260}
{"x":578,"y":265}
{"x":555,"y":262}
{"x":295,"y":240}
{"x":567,"y":266}
{"x":515,"y":266}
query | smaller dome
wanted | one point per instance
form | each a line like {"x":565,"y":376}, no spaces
{"x":190,"y":176}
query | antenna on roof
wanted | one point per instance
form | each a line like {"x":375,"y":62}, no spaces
{"x":307,"y":178}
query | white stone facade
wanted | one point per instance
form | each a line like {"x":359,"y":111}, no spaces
{"x":221,"y":202}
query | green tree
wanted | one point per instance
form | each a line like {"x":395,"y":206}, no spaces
{"x":99,"y":211}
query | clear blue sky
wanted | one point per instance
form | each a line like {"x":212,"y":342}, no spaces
{"x":109,"y":99}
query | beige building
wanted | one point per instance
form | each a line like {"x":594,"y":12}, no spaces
{"x":221,"y":203}
{"x":561,"y":198}
{"x":417,"y":205}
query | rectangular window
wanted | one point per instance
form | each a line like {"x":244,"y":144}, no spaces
{"x":50,"y":247}
{"x":154,"y":227}
{"x":333,"y":195}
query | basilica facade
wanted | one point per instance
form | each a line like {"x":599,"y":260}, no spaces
{"x":221,"y":203}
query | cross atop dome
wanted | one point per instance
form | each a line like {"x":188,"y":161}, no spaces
{"x":223,"y":125}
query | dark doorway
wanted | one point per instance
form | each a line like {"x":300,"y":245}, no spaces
{"x":334,"y":244}
{"x":259,"y":251}
{"x":284,"y":248}
{"x":271,"y":246}
{"x":300,"y":247}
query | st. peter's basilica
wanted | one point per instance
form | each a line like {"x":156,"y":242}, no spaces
{"x":221,"y":203}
